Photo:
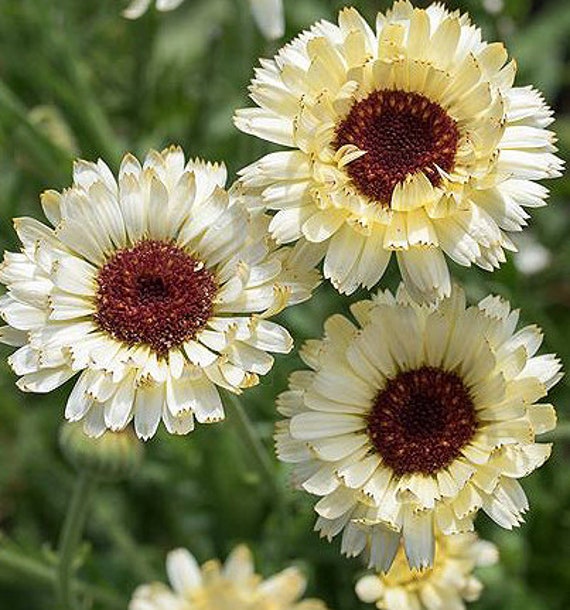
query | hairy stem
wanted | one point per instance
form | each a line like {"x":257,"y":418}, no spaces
{"x":70,"y":538}
{"x":39,"y":572}
{"x":251,"y":438}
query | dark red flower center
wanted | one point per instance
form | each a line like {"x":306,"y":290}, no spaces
{"x":403,"y":133}
{"x":154,"y":294}
{"x":421,"y":420}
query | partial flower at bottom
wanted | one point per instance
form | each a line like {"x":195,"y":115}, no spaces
{"x":155,"y":289}
{"x":415,"y":418}
{"x":233,"y":586}
{"x":446,"y":586}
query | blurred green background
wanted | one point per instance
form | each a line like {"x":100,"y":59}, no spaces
{"x":77,"y":79}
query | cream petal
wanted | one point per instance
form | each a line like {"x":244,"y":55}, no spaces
{"x":207,"y":405}
{"x":336,"y":504}
{"x":94,"y":421}
{"x":287,"y":586}
{"x":369,"y":588}
{"x":323,"y":224}
{"x":238,"y":567}
{"x":418,"y":538}
{"x":119,"y":408}
{"x":148,"y":406}
{"x":12,"y":336}
{"x":183,"y":571}
{"x":181,"y":424}
{"x":425,"y":273}
{"x":341,"y":260}
{"x":79,"y":401}
{"x":45,"y":380}
{"x":312,"y":426}
{"x":384,"y":544}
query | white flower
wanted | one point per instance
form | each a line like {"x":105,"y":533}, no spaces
{"x":408,"y":138}
{"x":137,"y":8}
{"x":155,"y":288}
{"x":532,"y":257}
{"x":415,"y":419}
{"x":268,"y":14}
{"x":234,"y":586}
{"x":444,"y":587}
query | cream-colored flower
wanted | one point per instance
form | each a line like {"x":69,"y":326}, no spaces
{"x":234,"y":586}
{"x":267,"y":14}
{"x":444,"y":587}
{"x":406,"y":139}
{"x":416,"y":418}
{"x":155,"y":288}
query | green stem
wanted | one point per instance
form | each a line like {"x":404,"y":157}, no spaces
{"x":52,"y":157}
{"x":70,"y":538}
{"x":124,"y":542}
{"x":36,"y":570}
{"x":251,"y":438}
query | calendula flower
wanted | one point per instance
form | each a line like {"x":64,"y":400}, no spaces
{"x":233,"y":586}
{"x":154,"y":288}
{"x":445,"y":586}
{"x":415,"y":419}
{"x":408,"y":138}
{"x":267,"y":14}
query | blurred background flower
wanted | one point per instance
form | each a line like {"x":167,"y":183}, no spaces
{"x":446,"y":586}
{"x":232,"y":586}
{"x":268,"y":14}
{"x":137,"y":8}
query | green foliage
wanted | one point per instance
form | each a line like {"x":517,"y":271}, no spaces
{"x":76,"y":79}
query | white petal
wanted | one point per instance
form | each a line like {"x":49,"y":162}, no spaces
{"x":183,"y":571}
{"x":79,"y":401}
{"x":425,"y":272}
{"x":268,"y":15}
{"x":119,"y":408}
{"x":148,"y":410}
{"x":45,"y":380}
{"x":369,"y":588}
{"x":94,"y":422}
{"x":310,"y":426}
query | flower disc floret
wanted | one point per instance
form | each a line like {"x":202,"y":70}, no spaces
{"x":421,"y":420}
{"x":154,"y":294}
{"x":413,"y":419}
{"x":406,"y":138}
{"x":402,"y":133}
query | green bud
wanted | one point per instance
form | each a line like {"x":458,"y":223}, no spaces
{"x":112,"y":456}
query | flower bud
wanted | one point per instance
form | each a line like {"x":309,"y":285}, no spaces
{"x":112,"y":456}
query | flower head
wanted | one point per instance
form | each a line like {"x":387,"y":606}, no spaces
{"x":447,"y":585}
{"x":234,"y":586}
{"x":408,"y":138}
{"x":155,"y":288}
{"x":415,"y":419}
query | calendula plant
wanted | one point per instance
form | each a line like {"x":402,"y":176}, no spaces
{"x":301,"y":352}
